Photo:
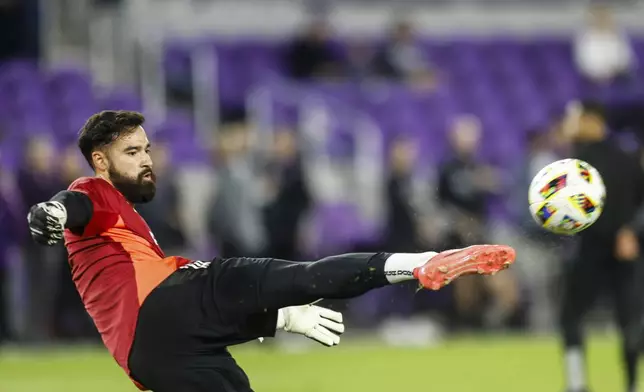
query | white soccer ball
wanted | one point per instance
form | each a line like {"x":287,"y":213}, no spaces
{"x":567,"y":196}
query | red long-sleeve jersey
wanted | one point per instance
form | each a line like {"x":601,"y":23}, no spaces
{"x":115,"y":263}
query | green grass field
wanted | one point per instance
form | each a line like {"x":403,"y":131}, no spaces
{"x":461,"y":365}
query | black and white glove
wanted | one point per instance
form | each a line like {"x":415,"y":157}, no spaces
{"x":316,"y":323}
{"x":47,"y":222}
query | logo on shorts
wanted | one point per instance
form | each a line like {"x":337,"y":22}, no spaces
{"x":197,"y":264}
{"x":399,"y":273}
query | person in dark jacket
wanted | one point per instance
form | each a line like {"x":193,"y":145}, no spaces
{"x":401,"y":231}
{"x":235,"y":213}
{"x":608,"y":253}
{"x":162,"y":213}
{"x":311,"y":54}
{"x":10,"y":231}
{"x":290,"y":199}
{"x":465,"y":186}
{"x":37,"y":180}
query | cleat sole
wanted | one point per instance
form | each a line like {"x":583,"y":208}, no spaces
{"x":443,"y":268}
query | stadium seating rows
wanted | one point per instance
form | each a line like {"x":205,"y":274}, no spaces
{"x":512,"y":85}
{"x":57,"y":102}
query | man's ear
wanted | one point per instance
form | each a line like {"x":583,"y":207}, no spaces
{"x":100,"y":161}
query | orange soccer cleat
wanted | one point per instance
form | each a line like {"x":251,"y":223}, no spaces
{"x":446,"y":266}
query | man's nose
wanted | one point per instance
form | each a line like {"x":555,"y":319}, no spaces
{"x":146,"y":162}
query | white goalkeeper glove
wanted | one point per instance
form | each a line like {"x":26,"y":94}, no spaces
{"x":320,"y":324}
{"x":47,"y":222}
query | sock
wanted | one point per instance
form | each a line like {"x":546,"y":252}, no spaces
{"x":575,"y":369}
{"x":399,"y":267}
{"x":630,"y":359}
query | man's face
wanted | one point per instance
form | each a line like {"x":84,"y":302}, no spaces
{"x":71,"y":165}
{"x":579,"y":125}
{"x":466,"y":135}
{"x":40,"y":154}
{"x":602,"y":18}
{"x":404,"y":33}
{"x":129,"y":167}
{"x":403,"y":155}
{"x":319,"y":31}
{"x":285,"y":146}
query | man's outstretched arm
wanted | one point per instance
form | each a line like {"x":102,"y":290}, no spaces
{"x":66,"y":210}
{"x":78,"y":206}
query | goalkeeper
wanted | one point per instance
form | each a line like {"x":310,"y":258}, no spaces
{"x":167,"y":320}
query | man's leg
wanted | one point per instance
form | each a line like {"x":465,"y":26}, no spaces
{"x":244,"y":286}
{"x":582,"y":281}
{"x":628,"y":313}
{"x":188,"y":320}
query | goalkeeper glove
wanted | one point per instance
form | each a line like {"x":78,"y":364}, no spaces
{"x":320,"y":324}
{"x":47,"y":222}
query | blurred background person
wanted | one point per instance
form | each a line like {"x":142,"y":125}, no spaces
{"x":608,"y":251}
{"x":603,"y":52}
{"x":311,"y":55}
{"x":401,"y":229}
{"x":10,"y":234}
{"x":235,"y":217}
{"x":162,"y":213}
{"x":400,"y":58}
{"x":4,"y":318}
{"x":465,"y":183}
{"x":38,"y":178}
{"x":360,"y":61}
{"x":288,"y":197}
{"x":464,"y":188}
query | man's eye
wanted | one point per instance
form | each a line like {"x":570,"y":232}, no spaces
{"x":131,"y":153}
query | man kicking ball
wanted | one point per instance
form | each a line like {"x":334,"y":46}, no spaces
{"x":167,"y":320}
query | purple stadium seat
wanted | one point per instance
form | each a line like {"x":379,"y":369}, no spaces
{"x":512,"y":84}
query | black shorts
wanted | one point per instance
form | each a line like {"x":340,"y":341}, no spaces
{"x":187,"y":322}
{"x":184,"y":328}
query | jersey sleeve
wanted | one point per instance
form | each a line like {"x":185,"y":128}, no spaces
{"x":105,"y":203}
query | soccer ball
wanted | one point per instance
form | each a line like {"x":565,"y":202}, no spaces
{"x":567,"y":196}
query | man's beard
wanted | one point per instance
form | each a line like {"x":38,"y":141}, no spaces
{"x":137,"y":190}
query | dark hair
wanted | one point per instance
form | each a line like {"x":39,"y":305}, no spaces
{"x":105,"y":127}
{"x":594,"y":108}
